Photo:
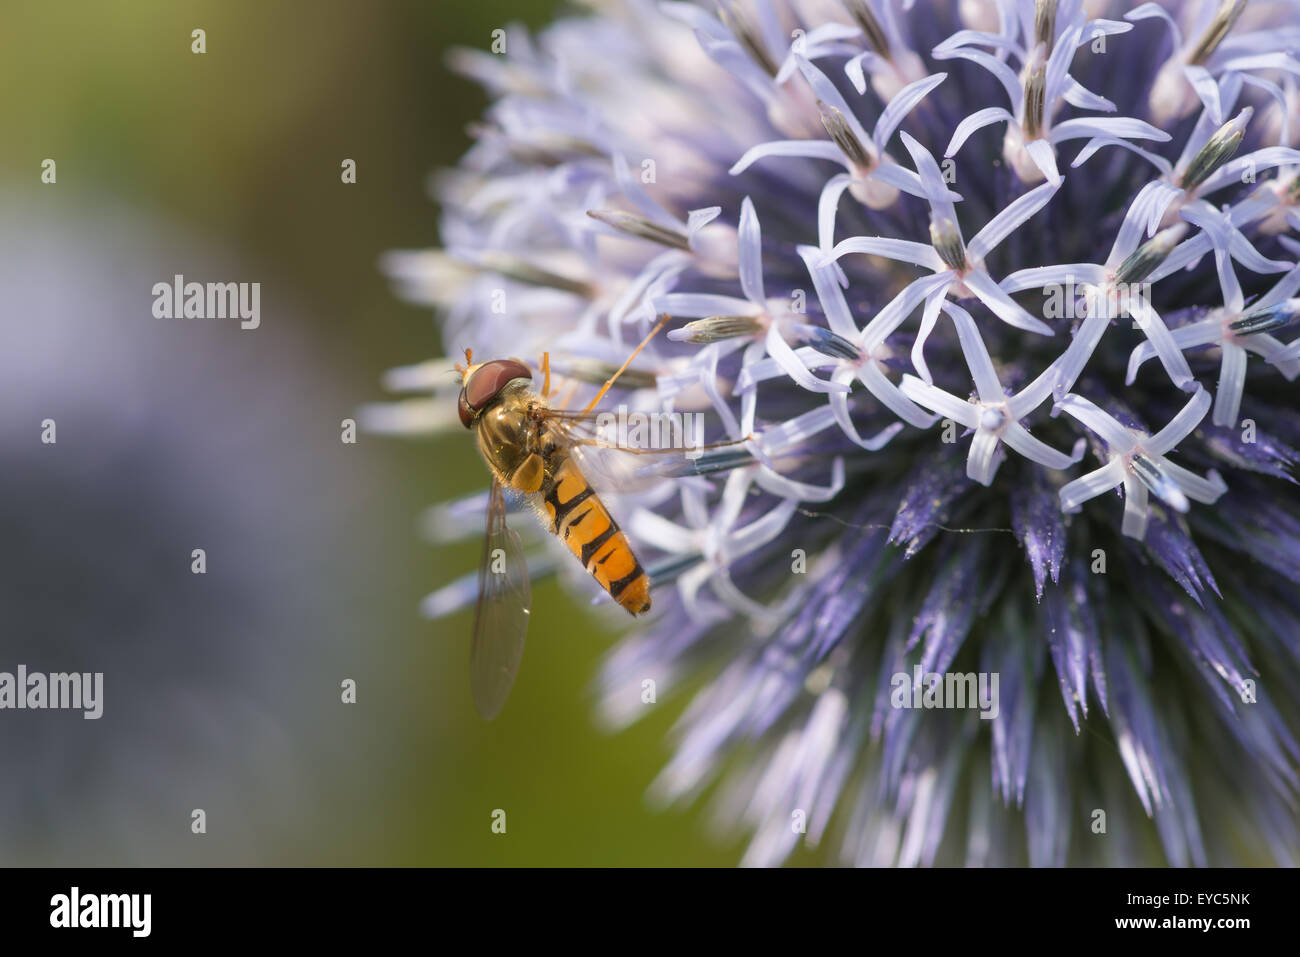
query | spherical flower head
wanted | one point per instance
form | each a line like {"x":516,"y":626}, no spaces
{"x":973,"y":579}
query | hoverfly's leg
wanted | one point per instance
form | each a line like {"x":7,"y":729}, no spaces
{"x":663,"y":321}
{"x":546,"y":375}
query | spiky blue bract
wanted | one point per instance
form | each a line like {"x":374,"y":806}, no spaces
{"x":926,"y":252}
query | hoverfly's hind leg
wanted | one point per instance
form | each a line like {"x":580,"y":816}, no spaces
{"x":663,"y":321}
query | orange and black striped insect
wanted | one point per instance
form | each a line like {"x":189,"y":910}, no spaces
{"x":532,"y":448}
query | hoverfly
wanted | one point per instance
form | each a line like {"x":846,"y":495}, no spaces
{"x":533,"y":449}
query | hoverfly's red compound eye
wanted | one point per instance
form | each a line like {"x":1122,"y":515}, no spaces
{"x":486,"y":384}
{"x":466,"y":413}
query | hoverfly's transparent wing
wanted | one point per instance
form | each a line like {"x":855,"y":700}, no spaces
{"x":639,"y":461}
{"x":501,"y":616}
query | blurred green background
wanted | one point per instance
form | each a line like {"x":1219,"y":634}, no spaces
{"x":241,"y":147}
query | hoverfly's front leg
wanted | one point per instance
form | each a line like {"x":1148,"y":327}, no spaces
{"x":609,"y":383}
{"x":530,"y":474}
{"x":545,"y":367}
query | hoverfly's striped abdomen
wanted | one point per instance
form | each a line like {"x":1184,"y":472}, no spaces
{"x":584,"y":524}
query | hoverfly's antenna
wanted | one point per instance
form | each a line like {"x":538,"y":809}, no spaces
{"x":469,"y":361}
{"x":663,"y":321}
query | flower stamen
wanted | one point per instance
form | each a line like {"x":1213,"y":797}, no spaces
{"x":1148,"y":257}
{"x":512,"y":267}
{"x":869,"y":25}
{"x":641,"y":228}
{"x":1224,"y":19}
{"x":1150,"y":474}
{"x":1045,"y":23}
{"x":742,"y":28}
{"x":1267,"y":320}
{"x":718,"y":328}
{"x":1035,"y":100}
{"x":842,"y":135}
{"x":947,"y":242}
{"x":1217,"y":150}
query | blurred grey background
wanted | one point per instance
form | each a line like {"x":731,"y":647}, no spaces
{"x":222,"y":691}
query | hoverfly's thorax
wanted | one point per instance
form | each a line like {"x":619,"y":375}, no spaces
{"x":503,"y":430}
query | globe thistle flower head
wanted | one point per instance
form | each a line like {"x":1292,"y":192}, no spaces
{"x":917,"y":260}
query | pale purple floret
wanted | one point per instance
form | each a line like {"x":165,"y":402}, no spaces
{"x":1137,"y":461}
{"x":994,"y":416}
{"x":1184,"y":182}
{"x":1032,"y":135}
{"x":768,"y":315}
{"x":1107,"y":293}
{"x":1236,"y":330}
{"x":871,"y":175}
{"x":1186,"y":78}
{"x":958,"y":268}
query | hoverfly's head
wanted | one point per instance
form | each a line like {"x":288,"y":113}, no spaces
{"x":482,"y":384}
